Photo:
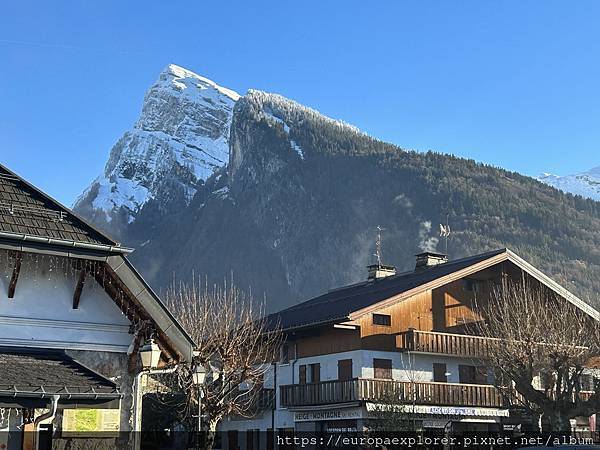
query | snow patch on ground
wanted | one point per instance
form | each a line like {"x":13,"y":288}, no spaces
{"x":297,"y":149}
{"x":273,"y":118}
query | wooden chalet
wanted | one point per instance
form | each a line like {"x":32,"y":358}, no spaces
{"x":408,"y":336}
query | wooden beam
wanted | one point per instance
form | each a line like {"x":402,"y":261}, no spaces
{"x":12,"y":285}
{"x":79,"y":288}
{"x":129,"y":305}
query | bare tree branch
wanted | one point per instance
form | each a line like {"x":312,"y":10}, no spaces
{"x":233,"y":341}
{"x":542,"y":346}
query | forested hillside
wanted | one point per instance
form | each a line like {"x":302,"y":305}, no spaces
{"x":296,"y":209}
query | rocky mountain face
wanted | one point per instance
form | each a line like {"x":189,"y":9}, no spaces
{"x":586,"y":184}
{"x":294,"y":210}
{"x":179,"y":140}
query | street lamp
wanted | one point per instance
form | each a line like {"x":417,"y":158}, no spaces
{"x":150,"y":354}
{"x":199,"y":375}
{"x":198,"y":378}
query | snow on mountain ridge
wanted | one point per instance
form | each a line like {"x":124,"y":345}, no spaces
{"x":586,"y":184}
{"x":277,"y":105}
{"x":179,"y":140}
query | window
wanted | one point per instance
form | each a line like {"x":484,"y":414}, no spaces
{"x":382,"y":368}
{"x":252,"y":439}
{"x":546,"y":380}
{"x":439,"y":373}
{"x":345,"y":369}
{"x":309,"y":373}
{"x":472,"y":374}
{"x":285,"y":354}
{"x":382,"y":319}
{"x":481,"y":375}
{"x":466,"y":374}
{"x":474,"y":286}
{"x":587,"y":382}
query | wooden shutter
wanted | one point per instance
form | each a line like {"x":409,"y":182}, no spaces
{"x":315,"y":373}
{"x":302,"y":374}
{"x":382,"y":368}
{"x":439,"y":373}
{"x":345,"y":369}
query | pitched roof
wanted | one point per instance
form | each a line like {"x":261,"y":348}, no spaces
{"x":26,"y":373}
{"x":26,"y":211}
{"x":30,"y":220}
{"x":345,"y":303}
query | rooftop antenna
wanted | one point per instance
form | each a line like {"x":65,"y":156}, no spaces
{"x":377,"y":253}
{"x":445,"y":232}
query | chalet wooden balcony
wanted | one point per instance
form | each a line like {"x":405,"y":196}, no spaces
{"x":439,"y":394}
{"x":266,"y":399}
{"x":444,"y":343}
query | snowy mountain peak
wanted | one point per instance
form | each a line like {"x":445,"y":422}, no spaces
{"x":179,"y":140}
{"x":586,"y":184}
{"x":190,"y":83}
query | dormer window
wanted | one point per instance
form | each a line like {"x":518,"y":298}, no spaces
{"x":475,"y":286}
{"x":382,"y":319}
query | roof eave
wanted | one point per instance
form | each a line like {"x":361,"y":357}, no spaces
{"x":148,"y":299}
{"x":550,"y":283}
{"x":64,"y":243}
{"x":506,"y":255}
{"x":317,"y":324}
{"x":438,"y":282}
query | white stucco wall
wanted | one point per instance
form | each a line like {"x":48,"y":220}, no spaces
{"x":414,"y":367}
{"x":41,"y":313}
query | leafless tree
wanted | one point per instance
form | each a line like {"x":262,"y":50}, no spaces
{"x":543,"y":349}
{"x":391,"y":413}
{"x":234,"y":343}
{"x":396,"y":408}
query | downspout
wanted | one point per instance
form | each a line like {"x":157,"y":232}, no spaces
{"x":49,"y":415}
{"x":275,"y":405}
{"x":294,"y":362}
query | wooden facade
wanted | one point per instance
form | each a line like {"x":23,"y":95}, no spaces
{"x":448,"y":309}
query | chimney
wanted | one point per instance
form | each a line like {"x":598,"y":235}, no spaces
{"x":378,"y":271}
{"x":426,"y":260}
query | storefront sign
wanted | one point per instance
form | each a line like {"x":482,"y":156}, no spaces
{"x":328,"y":414}
{"x":449,"y":411}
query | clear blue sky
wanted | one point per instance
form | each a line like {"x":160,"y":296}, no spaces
{"x":511,"y":83}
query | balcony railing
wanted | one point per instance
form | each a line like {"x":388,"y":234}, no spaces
{"x":444,"y":343}
{"x":439,"y":394}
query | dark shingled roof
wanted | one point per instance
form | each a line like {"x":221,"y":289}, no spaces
{"x":34,"y":373}
{"x":338,"y":304}
{"x":25,"y":210}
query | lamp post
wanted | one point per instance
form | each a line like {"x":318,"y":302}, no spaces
{"x":198,"y":378}
{"x":149,"y":357}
